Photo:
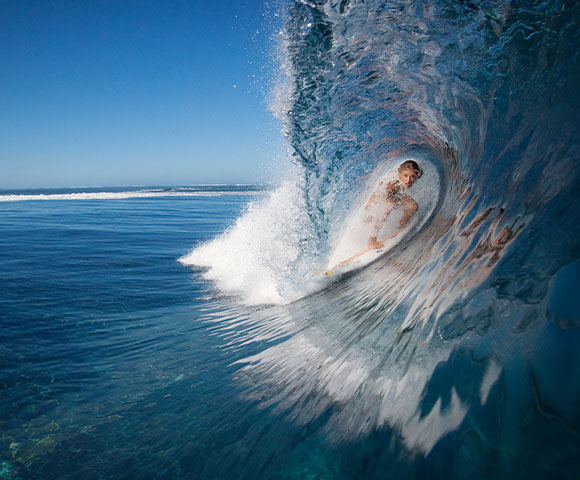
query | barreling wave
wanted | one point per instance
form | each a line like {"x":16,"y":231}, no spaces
{"x":434,"y":332}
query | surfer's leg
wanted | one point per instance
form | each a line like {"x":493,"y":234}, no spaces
{"x":410,"y":207}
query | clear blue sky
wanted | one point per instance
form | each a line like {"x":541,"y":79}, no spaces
{"x":132,"y":92}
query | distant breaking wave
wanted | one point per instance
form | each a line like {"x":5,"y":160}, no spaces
{"x":121,"y":194}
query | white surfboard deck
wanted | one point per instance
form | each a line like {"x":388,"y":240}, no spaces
{"x":351,"y":254}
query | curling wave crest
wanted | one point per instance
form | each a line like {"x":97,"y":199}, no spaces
{"x":428,"y":339}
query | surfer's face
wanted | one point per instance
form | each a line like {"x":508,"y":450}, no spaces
{"x":407,"y":177}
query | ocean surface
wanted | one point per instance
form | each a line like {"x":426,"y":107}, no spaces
{"x":205,"y":331}
{"x":107,"y":366}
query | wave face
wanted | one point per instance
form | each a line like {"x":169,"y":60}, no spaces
{"x":452,"y":344}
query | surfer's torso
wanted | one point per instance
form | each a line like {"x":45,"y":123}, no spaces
{"x":389,"y":194}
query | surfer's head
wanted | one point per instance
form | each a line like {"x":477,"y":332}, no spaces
{"x":409,"y":172}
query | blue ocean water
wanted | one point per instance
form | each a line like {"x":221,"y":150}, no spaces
{"x":191,"y":332}
{"x":106,"y":369}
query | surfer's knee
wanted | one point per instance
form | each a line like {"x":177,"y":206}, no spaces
{"x":410,"y":206}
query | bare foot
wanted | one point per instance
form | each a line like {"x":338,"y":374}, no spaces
{"x":374,"y":244}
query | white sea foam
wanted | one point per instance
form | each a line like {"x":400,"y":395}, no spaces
{"x":254,"y":258}
{"x":119,"y":195}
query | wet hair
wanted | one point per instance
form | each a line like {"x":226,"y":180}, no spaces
{"x":411,"y":165}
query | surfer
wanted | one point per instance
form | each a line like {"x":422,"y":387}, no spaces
{"x":390,"y":196}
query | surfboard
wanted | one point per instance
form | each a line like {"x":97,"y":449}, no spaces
{"x":361,"y":258}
